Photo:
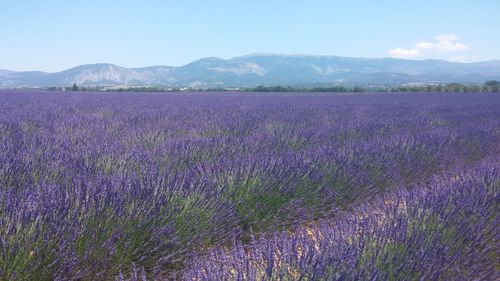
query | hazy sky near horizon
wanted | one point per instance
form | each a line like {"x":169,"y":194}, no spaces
{"x":53,"y":35}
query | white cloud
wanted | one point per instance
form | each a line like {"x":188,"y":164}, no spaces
{"x":424,"y":45}
{"x":443,"y":43}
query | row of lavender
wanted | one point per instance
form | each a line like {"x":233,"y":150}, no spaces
{"x":92,"y":185}
{"x":446,"y":230}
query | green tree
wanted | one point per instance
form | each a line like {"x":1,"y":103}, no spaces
{"x":492,"y":86}
{"x":358,"y":89}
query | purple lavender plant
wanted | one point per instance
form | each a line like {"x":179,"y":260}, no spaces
{"x":447,"y":230}
{"x":96,"y":186}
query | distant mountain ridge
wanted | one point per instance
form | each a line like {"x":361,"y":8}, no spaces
{"x":264,"y":69}
{"x":5,"y":71}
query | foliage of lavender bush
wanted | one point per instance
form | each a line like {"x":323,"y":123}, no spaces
{"x":447,"y":230}
{"x":95,"y":186}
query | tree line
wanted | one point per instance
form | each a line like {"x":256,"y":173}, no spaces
{"x":491,"y":86}
{"x":488,"y":87}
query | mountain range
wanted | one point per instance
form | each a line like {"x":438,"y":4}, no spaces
{"x":264,"y":69}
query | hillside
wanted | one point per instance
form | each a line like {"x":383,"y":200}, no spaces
{"x":264,"y":69}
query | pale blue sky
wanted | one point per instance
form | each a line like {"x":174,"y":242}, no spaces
{"x":53,"y":35}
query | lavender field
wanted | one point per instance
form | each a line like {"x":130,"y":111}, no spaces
{"x":241,"y":186}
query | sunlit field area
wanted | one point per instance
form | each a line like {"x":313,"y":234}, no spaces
{"x":249,"y":186}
